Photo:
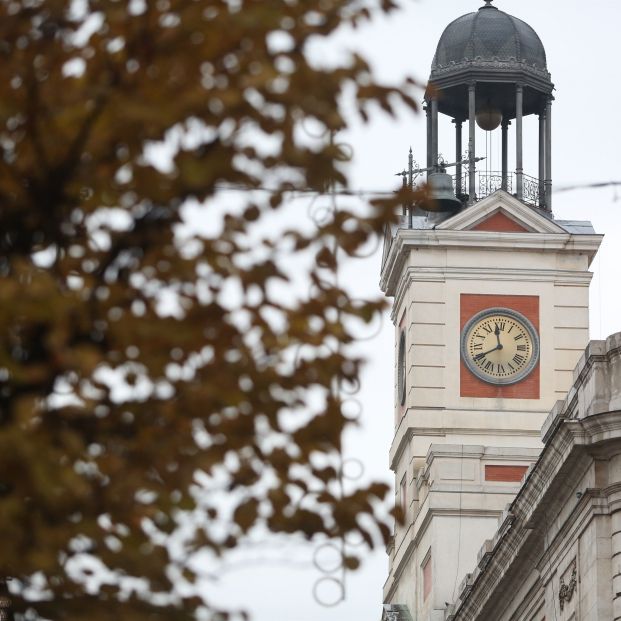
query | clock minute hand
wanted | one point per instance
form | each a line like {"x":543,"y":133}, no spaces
{"x":482,"y":354}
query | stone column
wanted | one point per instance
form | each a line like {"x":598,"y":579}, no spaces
{"x":472,"y":142}
{"x":548,"y":182}
{"x":505,"y":154}
{"x":519,"y":148}
{"x":458,"y":149}
{"x":542,"y":159}
{"x":429,"y":133}
{"x":434,"y":131}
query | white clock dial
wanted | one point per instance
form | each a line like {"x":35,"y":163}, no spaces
{"x":500,"y":346}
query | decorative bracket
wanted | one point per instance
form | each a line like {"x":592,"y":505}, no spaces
{"x":566,"y":591}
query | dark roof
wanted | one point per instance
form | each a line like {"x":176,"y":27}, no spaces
{"x":489,"y":34}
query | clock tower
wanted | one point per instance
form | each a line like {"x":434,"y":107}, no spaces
{"x":490,"y":307}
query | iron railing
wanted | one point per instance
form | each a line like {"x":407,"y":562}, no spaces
{"x":488,"y":182}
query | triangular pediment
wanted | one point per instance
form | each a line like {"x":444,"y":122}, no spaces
{"x":501,"y":213}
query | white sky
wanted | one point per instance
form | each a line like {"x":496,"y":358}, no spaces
{"x":583,"y":47}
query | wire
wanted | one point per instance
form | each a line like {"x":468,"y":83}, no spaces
{"x":597,"y":184}
{"x":378,"y":193}
{"x":360,"y":193}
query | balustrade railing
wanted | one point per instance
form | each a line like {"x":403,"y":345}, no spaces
{"x":488,"y":182}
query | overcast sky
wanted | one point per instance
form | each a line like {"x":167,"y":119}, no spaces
{"x":583,"y":48}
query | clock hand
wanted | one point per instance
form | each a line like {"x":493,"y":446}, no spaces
{"x":497,"y":333}
{"x":482,"y":354}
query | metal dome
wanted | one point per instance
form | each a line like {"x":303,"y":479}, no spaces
{"x":489,"y":34}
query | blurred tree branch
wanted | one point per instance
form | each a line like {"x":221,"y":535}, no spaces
{"x":132,"y":381}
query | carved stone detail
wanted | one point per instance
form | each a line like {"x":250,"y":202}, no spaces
{"x":566,"y":591}
{"x":494,"y":64}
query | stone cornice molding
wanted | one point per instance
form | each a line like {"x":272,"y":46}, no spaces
{"x":511,"y":70}
{"x":595,"y":389}
{"x":477,"y":451}
{"x":407,"y":239}
{"x":406,"y":432}
{"x":456,"y":232}
{"x":415,"y":274}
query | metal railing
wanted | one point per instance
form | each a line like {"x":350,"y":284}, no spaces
{"x":489,"y":182}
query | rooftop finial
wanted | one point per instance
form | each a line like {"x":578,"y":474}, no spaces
{"x":488,"y":3}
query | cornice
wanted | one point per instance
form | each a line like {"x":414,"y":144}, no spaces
{"x":598,"y":355}
{"x":490,"y":274}
{"x":407,"y":239}
{"x":402,"y":438}
{"x":494,"y":68}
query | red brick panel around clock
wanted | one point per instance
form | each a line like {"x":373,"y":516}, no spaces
{"x":472,"y":386}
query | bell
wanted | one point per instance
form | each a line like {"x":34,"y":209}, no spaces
{"x":440,"y":194}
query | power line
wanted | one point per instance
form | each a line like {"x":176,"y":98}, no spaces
{"x":380,"y":193}
{"x":585,"y":186}
{"x":358,"y":193}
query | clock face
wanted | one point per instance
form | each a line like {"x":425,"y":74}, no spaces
{"x":500,"y":346}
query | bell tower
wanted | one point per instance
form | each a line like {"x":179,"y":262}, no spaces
{"x":490,"y":307}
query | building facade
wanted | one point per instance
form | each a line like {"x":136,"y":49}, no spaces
{"x":501,"y":519}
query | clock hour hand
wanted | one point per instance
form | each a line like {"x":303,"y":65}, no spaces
{"x":497,"y":333}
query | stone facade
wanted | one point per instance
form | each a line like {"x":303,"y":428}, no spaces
{"x":557,"y":553}
{"x":457,"y":453}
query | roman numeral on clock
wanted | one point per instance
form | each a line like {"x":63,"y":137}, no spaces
{"x":521,"y":347}
{"x":518,"y":359}
{"x":518,"y":337}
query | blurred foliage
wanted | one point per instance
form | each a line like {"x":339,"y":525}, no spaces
{"x":133,"y":383}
